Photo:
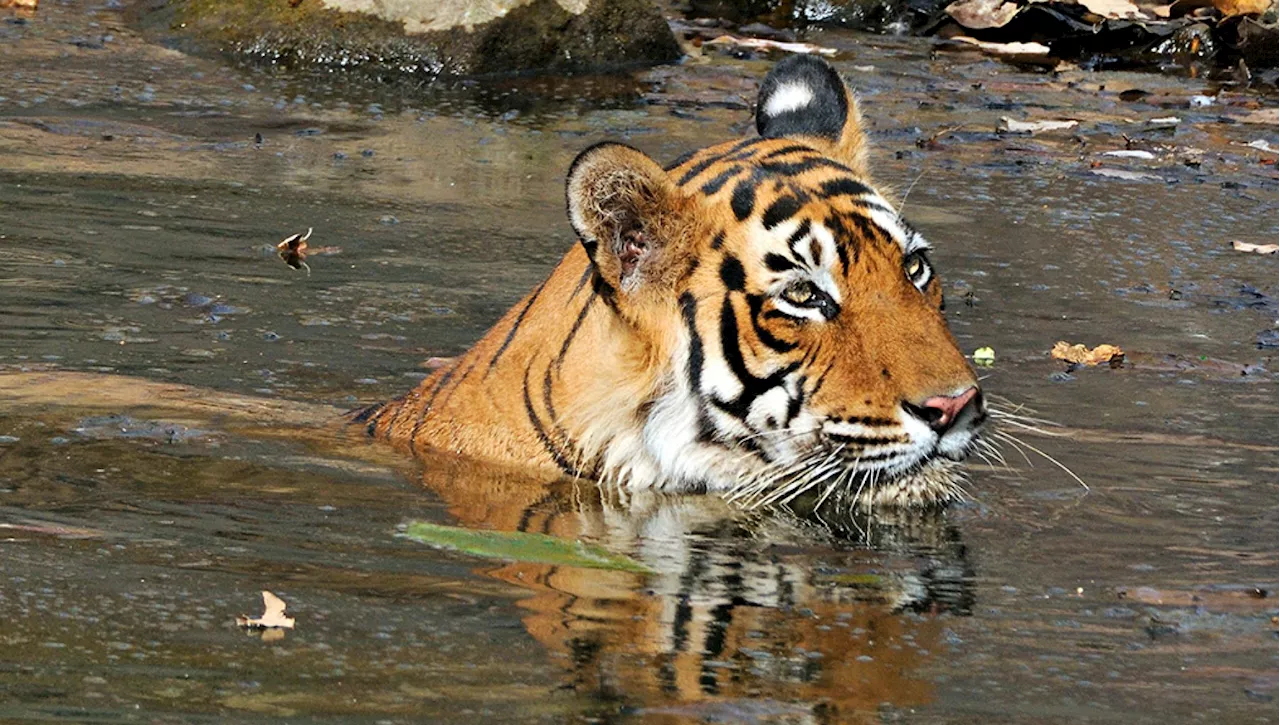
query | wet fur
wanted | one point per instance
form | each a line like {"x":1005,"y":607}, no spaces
{"x":615,"y":367}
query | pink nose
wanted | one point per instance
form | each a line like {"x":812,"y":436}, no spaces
{"x":941,"y":411}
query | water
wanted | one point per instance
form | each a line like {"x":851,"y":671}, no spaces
{"x":141,"y":516}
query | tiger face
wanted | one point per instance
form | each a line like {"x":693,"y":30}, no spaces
{"x":792,"y":315}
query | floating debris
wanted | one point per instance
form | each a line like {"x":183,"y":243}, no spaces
{"x":293,"y":250}
{"x":1081,"y":355}
{"x":1034,"y":127}
{"x":1255,"y":248}
{"x":272,"y":616}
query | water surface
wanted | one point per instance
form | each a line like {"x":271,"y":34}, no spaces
{"x":143,"y":192}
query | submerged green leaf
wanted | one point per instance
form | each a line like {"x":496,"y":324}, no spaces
{"x":520,"y":546}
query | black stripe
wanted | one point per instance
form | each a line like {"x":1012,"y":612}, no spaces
{"x":363,"y":414}
{"x":698,"y":168}
{"x":782,"y":209}
{"x":844,"y":240}
{"x":573,"y":331}
{"x":710,"y":161}
{"x":844,"y":187}
{"x":743,"y":201}
{"x":604,"y":291}
{"x":778,"y":263}
{"x":718,"y":181}
{"x":562,"y":436}
{"x":793,"y":405}
{"x":515,"y":327}
{"x":732,"y":274}
{"x":541,"y":432}
{"x":794,"y":148}
{"x":868,"y":420}
{"x":681,"y":160}
{"x":422,"y":412}
{"x":582,"y":281}
{"x":799,"y":167}
{"x":689,"y":311}
{"x":752,"y":386}
{"x":800,"y":233}
{"x":872,"y":441}
{"x":755,"y":303}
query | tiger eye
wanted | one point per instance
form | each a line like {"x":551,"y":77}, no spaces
{"x":914,"y":266}
{"x":798,"y":293}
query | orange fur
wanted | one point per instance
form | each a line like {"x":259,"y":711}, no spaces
{"x":569,"y":379}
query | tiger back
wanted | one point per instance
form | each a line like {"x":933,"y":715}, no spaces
{"x":755,"y":319}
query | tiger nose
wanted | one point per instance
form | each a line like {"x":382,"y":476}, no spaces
{"x":942,"y":411}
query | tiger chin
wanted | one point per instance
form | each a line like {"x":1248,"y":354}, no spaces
{"x":754,"y":319}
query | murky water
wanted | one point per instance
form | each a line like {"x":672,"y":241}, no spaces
{"x":142,"y":193}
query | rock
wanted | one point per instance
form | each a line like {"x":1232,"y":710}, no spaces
{"x":422,"y":39}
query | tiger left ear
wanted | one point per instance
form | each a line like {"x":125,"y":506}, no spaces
{"x":627,"y":213}
{"x":803,"y":96}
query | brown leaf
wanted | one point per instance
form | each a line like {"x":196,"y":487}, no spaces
{"x":1005,"y":49}
{"x":1230,"y":8}
{"x":982,"y":14}
{"x":1112,"y":9}
{"x":762,"y":44}
{"x":272,"y":616}
{"x":293,"y":250}
{"x":1081,"y":355}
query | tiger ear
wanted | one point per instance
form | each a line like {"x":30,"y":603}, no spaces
{"x":628,"y":214}
{"x":803,"y":96}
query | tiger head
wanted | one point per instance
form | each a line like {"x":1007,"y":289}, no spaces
{"x":794,"y":315}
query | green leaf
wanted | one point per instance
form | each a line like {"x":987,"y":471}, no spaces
{"x":519,"y":546}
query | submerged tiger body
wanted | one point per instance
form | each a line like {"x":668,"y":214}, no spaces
{"x":754,"y":319}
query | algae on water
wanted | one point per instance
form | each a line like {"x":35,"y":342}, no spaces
{"x":520,"y":546}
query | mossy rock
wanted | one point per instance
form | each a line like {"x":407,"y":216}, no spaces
{"x":414,"y":38}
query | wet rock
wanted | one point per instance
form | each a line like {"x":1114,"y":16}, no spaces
{"x":421,"y":39}
{"x":895,"y":17}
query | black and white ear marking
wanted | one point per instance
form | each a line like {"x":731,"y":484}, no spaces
{"x":802,"y":96}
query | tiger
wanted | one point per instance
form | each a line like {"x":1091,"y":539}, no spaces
{"x":754,"y":319}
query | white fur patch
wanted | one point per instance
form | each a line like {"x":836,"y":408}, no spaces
{"x":788,"y":97}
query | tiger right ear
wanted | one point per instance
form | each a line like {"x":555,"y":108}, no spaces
{"x":628,"y":214}
{"x":803,"y":96}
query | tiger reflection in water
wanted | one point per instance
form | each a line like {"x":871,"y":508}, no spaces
{"x":785,"y":605}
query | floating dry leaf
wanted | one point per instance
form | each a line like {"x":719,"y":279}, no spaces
{"x":1125,"y":174}
{"x":1255,"y":248}
{"x":294,"y":250}
{"x":1113,"y":9}
{"x":982,"y":14}
{"x":1081,"y":355}
{"x":762,"y":44}
{"x":1005,"y":49}
{"x":272,"y":615}
{"x":1130,"y":154}
{"x":1034,"y":127}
